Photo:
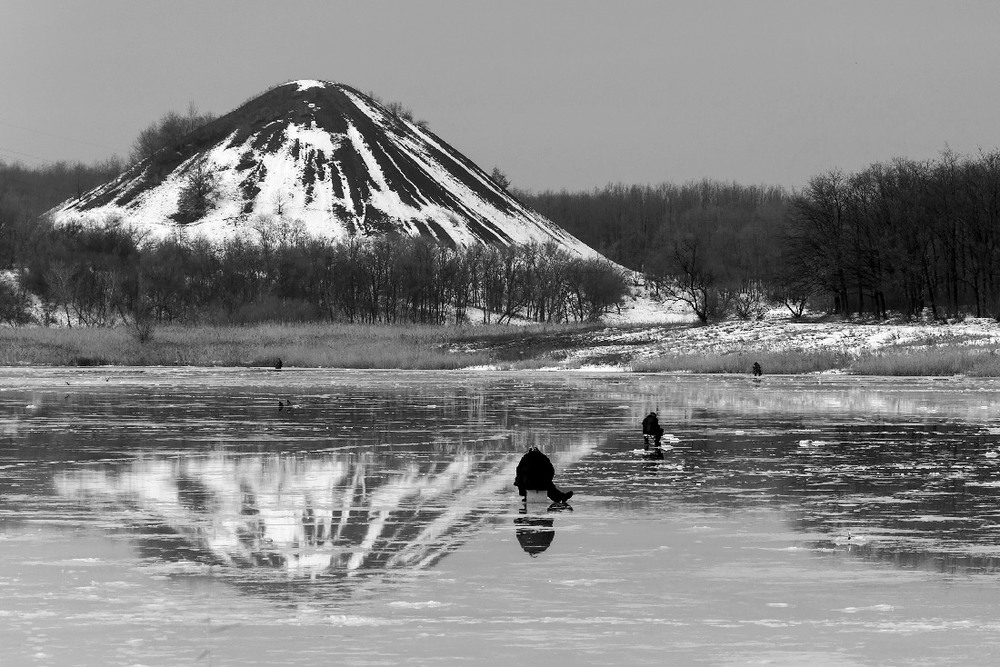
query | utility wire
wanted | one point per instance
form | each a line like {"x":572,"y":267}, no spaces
{"x":27,"y":155}
{"x":54,"y":136}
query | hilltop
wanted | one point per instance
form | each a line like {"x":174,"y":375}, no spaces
{"x":325,"y":160}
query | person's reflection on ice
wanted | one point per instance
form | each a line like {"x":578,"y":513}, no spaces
{"x":534,"y":533}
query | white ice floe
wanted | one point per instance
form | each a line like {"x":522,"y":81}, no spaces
{"x":881,"y":608}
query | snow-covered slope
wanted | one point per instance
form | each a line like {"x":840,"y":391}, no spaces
{"x":328,"y":158}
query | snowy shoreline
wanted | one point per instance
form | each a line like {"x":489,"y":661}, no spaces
{"x":620,"y":347}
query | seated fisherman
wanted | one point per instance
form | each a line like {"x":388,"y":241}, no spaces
{"x":651,"y":427}
{"x":535,"y":473}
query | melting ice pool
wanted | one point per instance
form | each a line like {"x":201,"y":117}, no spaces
{"x":176,"y":516}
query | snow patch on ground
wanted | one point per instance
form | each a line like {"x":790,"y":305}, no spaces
{"x":306,"y":84}
{"x":774,"y":335}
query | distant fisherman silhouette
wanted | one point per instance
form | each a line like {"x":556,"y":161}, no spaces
{"x":535,"y":473}
{"x":757,"y":370}
{"x":651,"y":428}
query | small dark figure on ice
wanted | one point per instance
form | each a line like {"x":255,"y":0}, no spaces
{"x":651,"y":429}
{"x":535,"y":473}
{"x":757,"y":370}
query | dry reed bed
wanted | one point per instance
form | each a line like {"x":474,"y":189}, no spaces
{"x":445,"y":348}
{"x":923,"y":361}
{"x":332,"y":346}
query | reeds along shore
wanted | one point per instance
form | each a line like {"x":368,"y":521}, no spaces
{"x":906,"y":361}
{"x":742,"y":361}
{"x":448,"y":347}
{"x":406,"y":346}
{"x":334,"y":346}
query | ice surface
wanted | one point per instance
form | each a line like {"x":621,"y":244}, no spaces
{"x":152,"y":516}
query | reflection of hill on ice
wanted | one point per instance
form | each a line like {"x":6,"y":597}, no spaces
{"x":329,"y":514}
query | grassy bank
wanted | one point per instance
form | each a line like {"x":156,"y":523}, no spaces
{"x":794,"y":362}
{"x":646,"y":349}
{"x":333,"y":346}
{"x":299,"y":345}
{"x":930,"y":361}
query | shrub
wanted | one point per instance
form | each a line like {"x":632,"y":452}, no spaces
{"x":15,"y":306}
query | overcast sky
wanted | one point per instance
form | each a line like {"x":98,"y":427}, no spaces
{"x":559,"y":94}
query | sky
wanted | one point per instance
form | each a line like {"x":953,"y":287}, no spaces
{"x":559,"y":94}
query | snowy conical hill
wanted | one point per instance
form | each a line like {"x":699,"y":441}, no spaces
{"x":328,"y":157}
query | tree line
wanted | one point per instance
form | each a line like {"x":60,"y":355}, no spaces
{"x":86,"y":276}
{"x":919,"y":238}
{"x":711,"y":245}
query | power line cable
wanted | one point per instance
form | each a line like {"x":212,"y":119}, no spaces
{"x":54,"y":136}
{"x":27,"y":155}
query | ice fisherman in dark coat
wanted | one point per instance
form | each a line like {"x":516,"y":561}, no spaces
{"x":535,"y":473}
{"x":651,"y":427}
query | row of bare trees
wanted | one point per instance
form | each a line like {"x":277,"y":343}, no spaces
{"x":919,"y":238}
{"x":713,"y":246}
{"x":103,"y":276}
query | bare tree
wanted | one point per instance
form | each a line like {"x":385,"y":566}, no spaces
{"x":14,"y":304}
{"x":687,"y":275}
{"x":167,"y":131}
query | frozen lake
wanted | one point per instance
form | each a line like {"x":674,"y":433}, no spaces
{"x":177,"y":516}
